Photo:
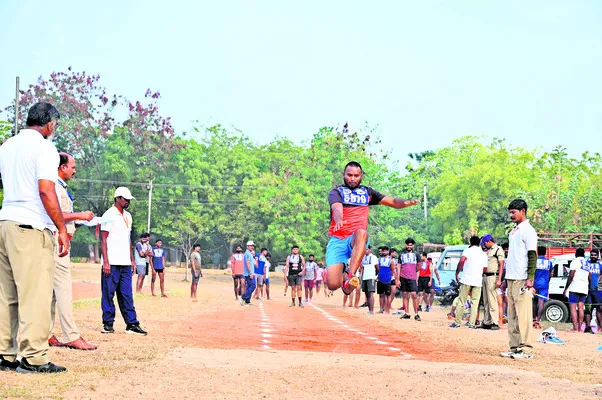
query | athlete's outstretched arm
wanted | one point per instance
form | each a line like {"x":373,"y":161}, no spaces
{"x":394,"y":202}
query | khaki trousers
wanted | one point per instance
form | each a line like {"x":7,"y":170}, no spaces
{"x":520,"y":317}
{"x":26,"y":279}
{"x":475,"y":296}
{"x":62,"y":298}
{"x":491,"y":315}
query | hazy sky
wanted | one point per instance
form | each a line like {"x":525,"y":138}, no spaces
{"x":422,"y":72}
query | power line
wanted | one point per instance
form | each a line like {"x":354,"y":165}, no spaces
{"x":168,"y":185}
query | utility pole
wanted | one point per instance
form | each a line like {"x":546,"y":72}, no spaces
{"x":17,"y":107}
{"x":425,"y":202}
{"x":150,"y":200}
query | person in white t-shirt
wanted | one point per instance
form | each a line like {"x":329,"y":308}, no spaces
{"x":118,"y":264}
{"x":472,"y":264}
{"x":577,"y":286}
{"x":369,"y":270}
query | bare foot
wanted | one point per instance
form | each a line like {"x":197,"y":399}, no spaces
{"x":154,"y":295}
{"x":194,"y":300}
{"x":164,"y":295}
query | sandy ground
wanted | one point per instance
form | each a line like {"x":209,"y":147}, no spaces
{"x":219,"y":350}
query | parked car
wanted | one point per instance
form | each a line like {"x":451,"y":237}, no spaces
{"x":447,"y":264}
{"x":556,"y":308}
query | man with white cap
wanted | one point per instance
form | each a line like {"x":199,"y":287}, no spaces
{"x":118,"y":264}
{"x":249,"y":267}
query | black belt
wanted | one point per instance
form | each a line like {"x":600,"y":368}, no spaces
{"x":489,"y":273}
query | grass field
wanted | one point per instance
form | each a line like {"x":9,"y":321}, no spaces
{"x":219,"y":350}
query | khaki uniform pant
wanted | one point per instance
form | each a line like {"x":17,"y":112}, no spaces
{"x":520,"y":317}
{"x":491,"y":315}
{"x":26,"y":280}
{"x":475,"y":296}
{"x":63,"y":299}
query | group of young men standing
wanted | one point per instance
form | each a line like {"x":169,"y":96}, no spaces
{"x":250,"y":273}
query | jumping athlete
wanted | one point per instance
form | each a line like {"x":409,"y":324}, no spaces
{"x":237,"y":265}
{"x":294,"y":269}
{"x":349,"y":208}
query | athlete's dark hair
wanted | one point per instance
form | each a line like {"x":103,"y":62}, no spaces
{"x":196,"y":245}
{"x":410,"y":240}
{"x":311,"y":255}
{"x":42,"y":113}
{"x":370,"y":247}
{"x":594,"y":251}
{"x":424,"y":253}
{"x":268,"y":255}
{"x":63,"y":159}
{"x":294,"y":247}
{"x":429,"y":259}
{"x":517,"y":204}
{"x":353,"y":164}
{"x":380,"y":248}
{"x":263,"y":250}
{"x":580,"y":252}
{"x":475,"y":240}
{"x":505,"y":246}
{"x":541,"y":250}
{"x":393,"y":250}
{"x":144,"y":235}
{"x":238,"y":246}
{"x":158,"y":240}
{"x":385,"y":248}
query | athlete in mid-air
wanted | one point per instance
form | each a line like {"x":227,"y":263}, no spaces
{"x":349,"y":207}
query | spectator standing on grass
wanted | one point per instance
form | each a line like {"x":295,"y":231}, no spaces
{"x":472,"y":263}
{"x":195,"y":270}
{"x":520,"y":271}
{"x":492,"y":280}
{"x":578,"y":288}
{"x":249,"y":268}
{"x":369,"y":271}
{"x":408,"y":276}
{"x":158,"y":265}
{"x":237,"y":261}
{"x":118,"y":264}
{"x":142,"y":253}
{"x":541,"y":284}
{"x":594,"y":295}
{"x":62,"y":297}
{"x":29,"y":217}
{"x":309,"y":278}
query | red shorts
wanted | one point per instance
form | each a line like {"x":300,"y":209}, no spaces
{"x":308,"y":284}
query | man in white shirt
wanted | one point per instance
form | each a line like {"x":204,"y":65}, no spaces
{"x":472,"y":263}
{"x":62,"y":298}
{"x":578,"y":287}
{"x":369,"y":269}
{"x":520,"y":267}
{"x":118,"y":264}
{"x":29,"y":216}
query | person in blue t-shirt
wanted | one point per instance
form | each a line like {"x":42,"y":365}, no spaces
{"x":595,"y":291}
{"x":260,"y":261}
{"x":158,"y":264}
{"x":383,"y":286}
{"x":249,"y":269}
{"x":541,"y":283}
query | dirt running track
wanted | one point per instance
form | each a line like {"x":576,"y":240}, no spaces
{"x":218,"y":349}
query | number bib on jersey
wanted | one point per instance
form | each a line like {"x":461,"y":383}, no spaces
{"x":408,"y":258}
{"x":356,"y":197}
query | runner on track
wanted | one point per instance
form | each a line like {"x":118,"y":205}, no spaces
{"x":349,"y":207}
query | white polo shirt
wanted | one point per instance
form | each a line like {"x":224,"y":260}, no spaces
{"x":522,"y":239}
{"x":119,"y":227}
{"x":26,"y":159}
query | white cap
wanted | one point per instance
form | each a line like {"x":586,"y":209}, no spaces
{"x":250,"y":243}
{"x":123,"y":192}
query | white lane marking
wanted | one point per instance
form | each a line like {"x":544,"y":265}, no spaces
{"x":265,"y":341}
{"x":266,"y":330}
{"x":265,"y":335}
{"x":375,"y":339}
{"x":266,"y":347}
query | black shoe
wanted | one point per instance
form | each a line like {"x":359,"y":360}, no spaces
{"x":364,"y":305}
{"x":485,"y":326}
{"x":494,"y":327}
{"x":6,"y":365}
{"x":107,"y":328}
{"x":135,"y":329}
{"x":419,"y":308}
{"x":417,"y":317}
{"x":48,"y":368}
{"x":405,"y":316}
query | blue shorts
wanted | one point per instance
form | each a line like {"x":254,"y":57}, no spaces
{"x":544,"y":292}
{"x":575,"y":298}
{"x":267,"y":281}
{"x":338,"y":250}
{"x":195,"y":277}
